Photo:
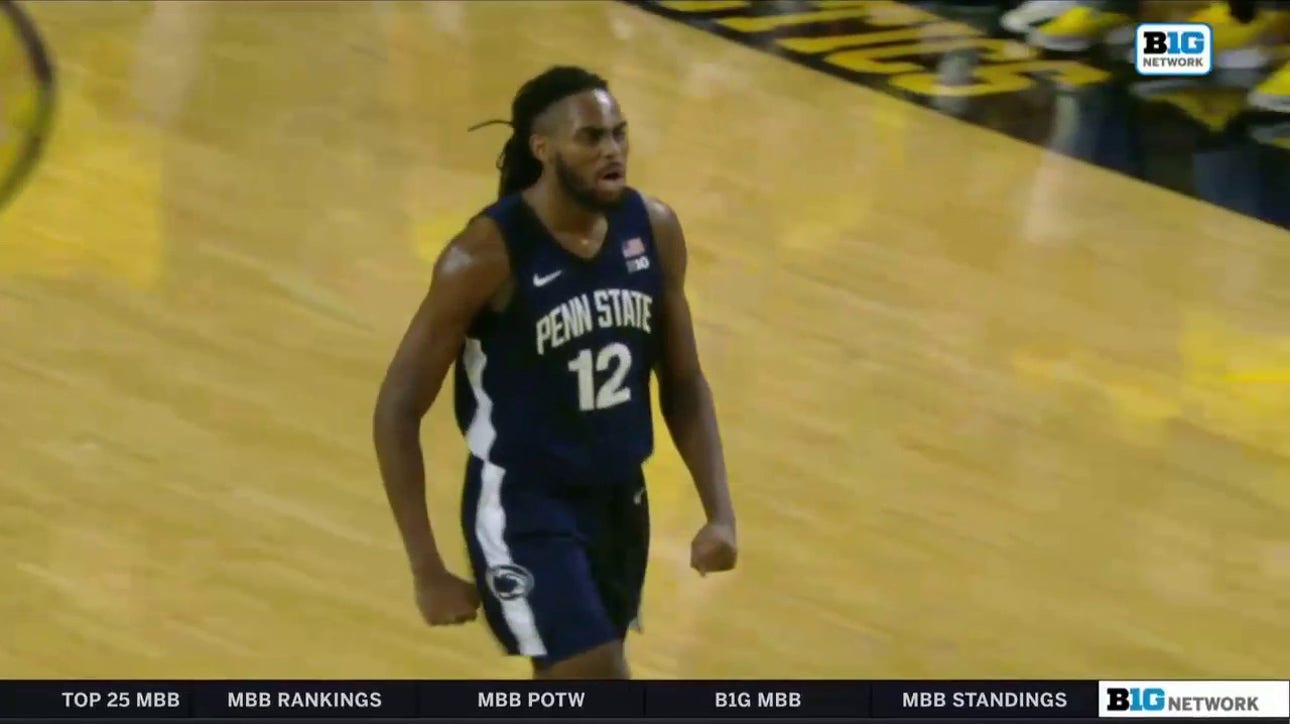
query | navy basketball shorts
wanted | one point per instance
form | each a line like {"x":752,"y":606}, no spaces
{"x":560,"y":567}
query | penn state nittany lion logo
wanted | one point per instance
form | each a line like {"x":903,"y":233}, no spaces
{"x":509,"y":582}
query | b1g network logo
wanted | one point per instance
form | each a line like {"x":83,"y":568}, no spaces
{"x":1173,"y":49}
{"x":1194,"y":699}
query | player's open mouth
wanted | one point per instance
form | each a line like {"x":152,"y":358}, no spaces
{"x":612,"y":178}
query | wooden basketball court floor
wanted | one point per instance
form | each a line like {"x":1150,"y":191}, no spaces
{"x":988,"y":411}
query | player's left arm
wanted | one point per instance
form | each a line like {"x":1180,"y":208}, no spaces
{"x":686,"y":399}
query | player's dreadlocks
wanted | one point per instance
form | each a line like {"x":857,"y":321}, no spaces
{"x":519,"y":167}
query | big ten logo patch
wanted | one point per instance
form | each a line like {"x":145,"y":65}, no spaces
{"x":1165,"y":49}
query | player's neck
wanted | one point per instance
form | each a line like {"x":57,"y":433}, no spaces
{"x":560,"y":213}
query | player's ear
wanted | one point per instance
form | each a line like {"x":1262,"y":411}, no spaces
{"x":540,"y":146}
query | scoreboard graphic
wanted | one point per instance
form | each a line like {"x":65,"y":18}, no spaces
{"x":339,"y":701}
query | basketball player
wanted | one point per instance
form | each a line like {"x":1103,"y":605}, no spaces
{"x":555,"y":303}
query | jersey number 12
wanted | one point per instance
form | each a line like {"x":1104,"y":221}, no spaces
{"x":614,"y":358}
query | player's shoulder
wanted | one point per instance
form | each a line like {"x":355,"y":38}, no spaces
{"x":665,"y":225}
{"x":481,"y":236}
{"x":669,"y":241}
{"x":661,"y":215}
{"x":478,"y":250}
{"x":662,"y":218}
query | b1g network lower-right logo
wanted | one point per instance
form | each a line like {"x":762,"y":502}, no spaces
{"x":1173,"y":49}
{"x":1194,"y":699}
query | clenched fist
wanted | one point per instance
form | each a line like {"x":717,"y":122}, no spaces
{"x":714,"y":549}
{"x":445,"y":599}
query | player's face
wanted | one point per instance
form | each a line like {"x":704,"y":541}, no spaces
{"x":589,"y":152}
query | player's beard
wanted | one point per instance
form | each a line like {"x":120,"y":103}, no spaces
{"x":582,"y":193}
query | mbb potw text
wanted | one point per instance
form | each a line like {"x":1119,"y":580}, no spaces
{"x":532,"y":699}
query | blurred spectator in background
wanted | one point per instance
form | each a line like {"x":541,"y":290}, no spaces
{"x":1244,"y":33}
{"x":1031,"y":14}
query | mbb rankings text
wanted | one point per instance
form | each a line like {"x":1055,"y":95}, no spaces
{"x":981,"y":700}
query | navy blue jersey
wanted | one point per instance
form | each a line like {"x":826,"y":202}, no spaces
{"x":560,"y":379}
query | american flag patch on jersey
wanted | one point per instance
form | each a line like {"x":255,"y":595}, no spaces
{"x":633,"y":247}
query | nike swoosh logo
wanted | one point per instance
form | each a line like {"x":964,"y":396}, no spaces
{"x":540,"y":281}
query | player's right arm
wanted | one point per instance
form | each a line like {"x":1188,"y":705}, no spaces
{"x":468,"y":274}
